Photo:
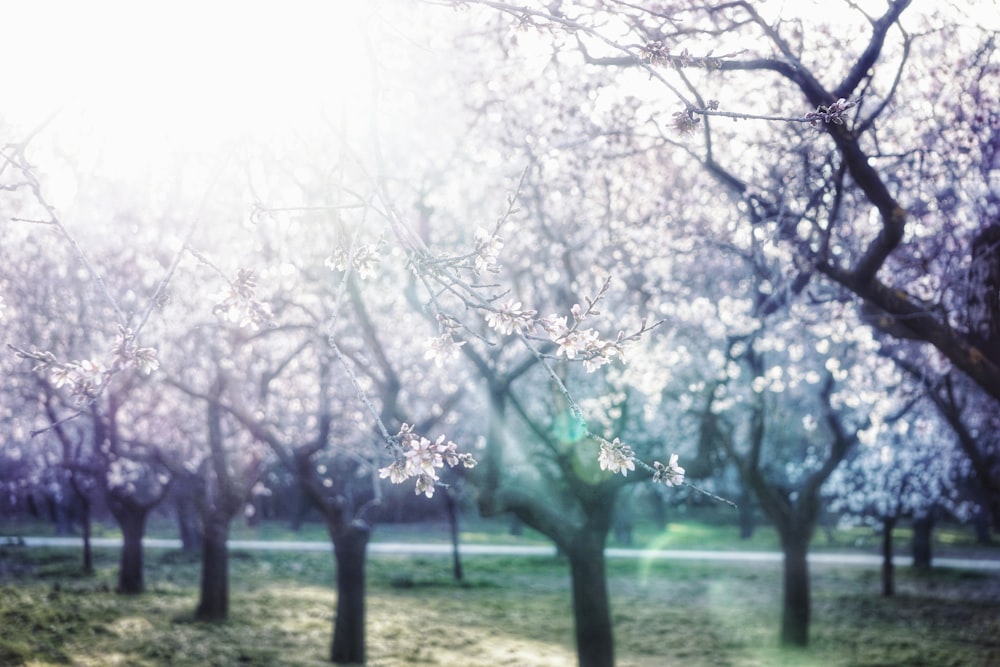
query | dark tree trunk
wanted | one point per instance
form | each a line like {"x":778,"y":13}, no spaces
{"x":451,"y":506}
{"x":922,"y":527}
{"x":981,"y":524}
{"x":796,"y":600}
{"x":350,"y":546}
{"x":747,"y":522}
{"x":83,"y":502}
{"x":188,"y":521}
{"x":214,"y":602}
{"x":132,"y":521}
{"x":888,"y":569}
{"x":595,"y":644}
{"x":88,"y":554}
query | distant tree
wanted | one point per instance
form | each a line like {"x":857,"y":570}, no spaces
{"x":911,"y":470}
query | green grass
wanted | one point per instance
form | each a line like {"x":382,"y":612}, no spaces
{"x":508,"y":611}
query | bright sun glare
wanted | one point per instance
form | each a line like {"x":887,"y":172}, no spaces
{"x":143,"y":77}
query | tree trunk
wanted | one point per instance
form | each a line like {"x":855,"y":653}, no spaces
{"x":214,"y":602}
{"x":595,"y":644}
{"x":83,"y":502}
{"x":796,"y":605}
{"x":451,"y":506}
{"x":188,"y":522}
{"x":88,"y":554}
{"x":922,"y":527}
{"x":888,"y":569}
{"x":747,"y":522}
{"x":350,"y":545}
{"x":132,"y":521}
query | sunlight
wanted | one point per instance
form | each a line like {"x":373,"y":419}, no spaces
{"x":142,"y":80}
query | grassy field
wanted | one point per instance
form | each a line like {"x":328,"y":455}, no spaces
{"x":508,"y":611}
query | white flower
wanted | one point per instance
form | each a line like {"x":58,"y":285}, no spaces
{"x":670,"y":474}
{"x":396,"y":473}
{"x":62,"y":375}
{"x":91,"y":372}
{"x":425,"y":485}
{"x":145,"y":360}
{"x":238,"y":303}
{"x":421,"y":458}
{"x":337,"y":261}
{"x":488,"y":248}
{"x":616,"y":457}
{"x":442,"y":349}
{"x":554,"y":326}
{"x":366,"y":260}
{"x":511,"y":317}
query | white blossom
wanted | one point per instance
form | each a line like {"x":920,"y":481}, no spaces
{"x":421,"y":458}
{"x":442,"y":349}
{"x":510,"y":318}
{"x":670,"y":474}
{"x":616,"y":457}
{"x":488,"y":248}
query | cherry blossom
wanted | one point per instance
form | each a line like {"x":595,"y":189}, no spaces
{"x":616,"y":457}
{"x":511,"y":317}
{"x":670,"y":474}
{"x":487,"y":251}
{"x":421,"y":458}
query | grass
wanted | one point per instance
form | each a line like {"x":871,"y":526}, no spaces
{"x":508,"y":611}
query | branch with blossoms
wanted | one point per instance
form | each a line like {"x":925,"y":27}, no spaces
{"x":575,"y":343}
{"x":419,"y":457}
{"x":689,"y":120}
{"x":511,"y":318}
{"x":85,"y":379}
{"x":655,"y":55}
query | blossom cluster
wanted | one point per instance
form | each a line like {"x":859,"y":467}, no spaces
{"x":488,"y":247}
{"x":126,"y":353}
{"x":615,"y":457}
{"x":670,"y":474}
{"x":421,"y":458}
{"x":239,"y":303}
{"x":571,"y":341}
{"x":363,"y":261}
{"x":511,"y":317}
{"x":444,"y":347}
{"x":684,"y":122}
{"x":835,"y":113}
{"x":84,"y":378}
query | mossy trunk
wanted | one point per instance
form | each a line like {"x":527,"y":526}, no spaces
{"x":350,"y":546}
